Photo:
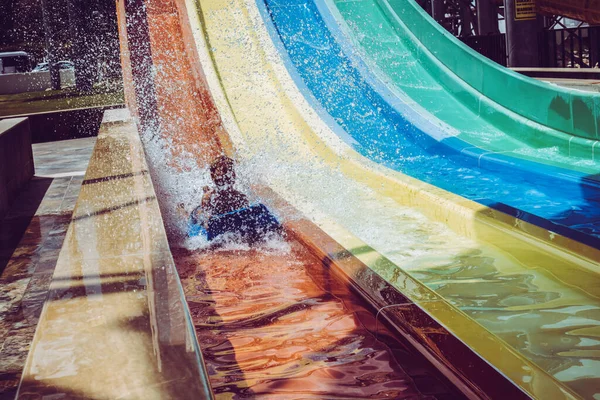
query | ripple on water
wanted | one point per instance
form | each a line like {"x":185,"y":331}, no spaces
{"x":268,"y":330}
{"x":553,"y":325}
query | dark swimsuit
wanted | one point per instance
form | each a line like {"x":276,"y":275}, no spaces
{"x":230,"y":212}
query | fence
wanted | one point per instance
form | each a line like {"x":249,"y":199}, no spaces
{"x":571,"y":48}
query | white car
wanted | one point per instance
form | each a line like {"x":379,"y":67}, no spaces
{"x":62,"y":65}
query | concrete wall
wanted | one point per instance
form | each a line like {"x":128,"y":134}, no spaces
{"x":16,"y":159}
{"x":33,"y":81}
{"x":64,"y":125}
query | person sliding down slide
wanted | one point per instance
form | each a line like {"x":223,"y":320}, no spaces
{"x":226,"y":210}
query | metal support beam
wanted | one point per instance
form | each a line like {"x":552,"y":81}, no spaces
{"x":49,"y":21}
{"x":83,"y":16}
{"x":595,"y":48}
{"x":522,"y":34}
{"x":438,"y":11}
{"x":487,"y":17}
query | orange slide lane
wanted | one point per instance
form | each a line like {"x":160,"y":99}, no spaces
{"x":162,"y":89}
{"x":275,"y":324}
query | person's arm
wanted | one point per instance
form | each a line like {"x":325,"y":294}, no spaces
{"x":205,"y":204}
{"x":205,"y":197}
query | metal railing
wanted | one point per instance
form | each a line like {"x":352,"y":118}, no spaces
{"x":571,"y":48}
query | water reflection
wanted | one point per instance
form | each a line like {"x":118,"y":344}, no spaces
{"x":555,"y":326}
{"x":273,"y":324}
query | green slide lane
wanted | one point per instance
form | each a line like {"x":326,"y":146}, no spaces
{"x":468,"y":95}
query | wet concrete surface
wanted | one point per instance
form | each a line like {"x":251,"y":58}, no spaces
{"x":274,"y":324}
{"x":31,"y":236}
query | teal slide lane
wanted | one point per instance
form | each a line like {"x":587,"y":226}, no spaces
{"x":484,"y":104}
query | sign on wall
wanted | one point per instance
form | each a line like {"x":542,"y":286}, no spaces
{"x":525,"y":10}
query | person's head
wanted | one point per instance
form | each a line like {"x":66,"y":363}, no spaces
{"x":222,"y":171}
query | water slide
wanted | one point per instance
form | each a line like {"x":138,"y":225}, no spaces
{"x":488,"y":106}
{"x":411,"y":116}
{"x":531,"y":291}
{"x":494,"y":93}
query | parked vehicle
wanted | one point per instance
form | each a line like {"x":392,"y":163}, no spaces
{"x":62,"y":65}
{"x":13,"y":62}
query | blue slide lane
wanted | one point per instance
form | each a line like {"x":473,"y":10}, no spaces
{"x":379,"y":126}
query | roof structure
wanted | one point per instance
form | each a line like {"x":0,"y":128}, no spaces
{"x":582,"y":10}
